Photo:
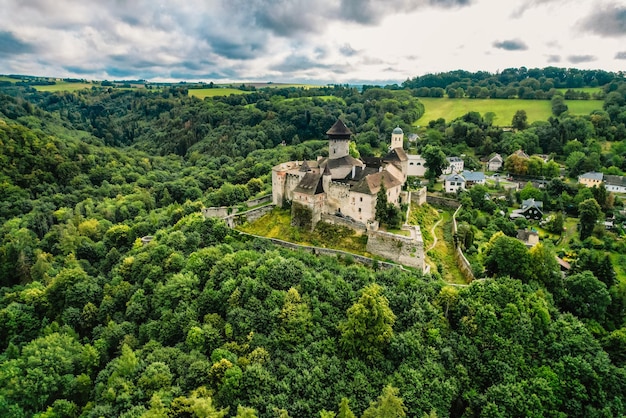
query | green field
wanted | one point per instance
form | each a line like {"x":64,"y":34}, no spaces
{"x":64,"y":86}
{"x":9,"y":79}
{"x":202,"y":93}
{"x":590,"y":90}
{"x":504,"y":109}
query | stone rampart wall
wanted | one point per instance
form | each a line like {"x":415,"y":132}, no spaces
{"x":442,"y":201}
{"x":399,"y":248}
{"x":329,"y":252}
{"x":247,"y":216}
{"x":461,"y":261}
{"x":336,"y":220}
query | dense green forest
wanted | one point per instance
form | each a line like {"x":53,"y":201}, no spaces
{"x":205,"y":322}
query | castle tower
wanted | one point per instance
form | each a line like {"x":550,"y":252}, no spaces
{"x":397,"y":138}
{"x":326,"y":178}
{"x":338,"y":140}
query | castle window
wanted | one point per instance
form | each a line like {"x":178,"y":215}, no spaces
{"x":359,"y":210}
{"x":360,"y":199}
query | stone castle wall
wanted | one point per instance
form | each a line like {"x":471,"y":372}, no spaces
{"x":398,"y":248}
{"x":442,"y":201}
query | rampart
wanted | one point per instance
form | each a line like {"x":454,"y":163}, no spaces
{"x":329,"y":252}
{"x":224,"y":211}
{"x":442,"y":201}
{"x":357,"y":226}
{"x":461,"y":260}
{"x":407,"y":250}
{"x":419,"y":196}
{"x":247,"y":216}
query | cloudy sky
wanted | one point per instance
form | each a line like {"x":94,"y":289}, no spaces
{"x":319,"y":41}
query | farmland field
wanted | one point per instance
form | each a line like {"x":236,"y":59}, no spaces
{"x":9,"y":79}
{"x":504,"y":109}
{"x":64,"y":86}
{"x":202,"y":93}
{"x":590,"y":90}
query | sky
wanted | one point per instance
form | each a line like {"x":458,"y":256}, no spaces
{"x":305,"y":41}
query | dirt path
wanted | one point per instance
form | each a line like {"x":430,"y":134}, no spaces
{"x":432,"y":232}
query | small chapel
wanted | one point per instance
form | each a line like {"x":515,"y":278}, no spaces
{"x":340,"y":184}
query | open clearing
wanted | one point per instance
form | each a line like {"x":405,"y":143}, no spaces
{"x":64,"y":86}
{"x":202,"y":93}
{"x":504,"y":109}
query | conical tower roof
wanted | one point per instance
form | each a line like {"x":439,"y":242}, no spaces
{"x":305,"y":166}
{"x":339,"y":131}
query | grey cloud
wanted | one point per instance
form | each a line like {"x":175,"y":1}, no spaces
{"x":554,"y":58}
{"x":347,"y":51}
{"x":11,"y":45}
{"x":620,"y":55}
{"x":79,"y":70}
{"x":511,"y":45}
{"x":577,"y":59}
{"x":232,"y":49}
{"x":529,"y":4}
{"x":297,"y":63}
{"x":609,"y":20}
{"x":370,"y":12}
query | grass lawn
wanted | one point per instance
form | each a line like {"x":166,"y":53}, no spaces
{"x":277,"y":224}
{"x":441,"y":257}
{"x":425,"y":216}
{"x":619,"y":264}
{"x":590,"y":90}
{"x":64,"y":86}
{"x":202,"y":93}
{"x":504,"y":109}
{"x":9,"y":79}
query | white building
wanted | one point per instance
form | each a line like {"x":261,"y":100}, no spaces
{"x":453,"y":183}
{"x":417,"y":167}
{"x":455,"y":165}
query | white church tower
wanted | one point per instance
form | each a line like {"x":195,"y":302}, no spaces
{"x":397,"y":138}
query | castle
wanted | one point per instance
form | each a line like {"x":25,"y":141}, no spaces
{"x":340,"y":184}
{"x":343,"y":189}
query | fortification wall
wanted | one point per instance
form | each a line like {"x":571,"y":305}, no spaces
{"x":461,"y":261}
{"x":419,"y":196}
{"x":357,"y":226}
{"x":247,"y":216}
{"x":329,"y":252}
{"x":223,"y":211}
{"x":442,"y":201}
{"x":399,"y":248}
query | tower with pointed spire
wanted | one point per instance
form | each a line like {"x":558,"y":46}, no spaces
{"x":338,"y":140}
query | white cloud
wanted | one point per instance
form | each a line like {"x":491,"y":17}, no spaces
{"x":300,"y":40}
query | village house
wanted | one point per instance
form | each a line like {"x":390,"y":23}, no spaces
{"x":529,"y":237}
{"x":454,"y":183}
{"x":531,"y":209}
{"x":495,"y":163}
{"x":616,"y":184}
{"x":590,"y":179}
{"x":455,"y":165}
{"x":473,"y":177}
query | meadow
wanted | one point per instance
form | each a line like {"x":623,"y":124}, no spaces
{"x":9,"y":79}
{"x":64,"y":86}
{"x":504,"y":109}
{"x":221,"y":91}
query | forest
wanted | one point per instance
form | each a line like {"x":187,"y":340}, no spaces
{"x":206,"y":322}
